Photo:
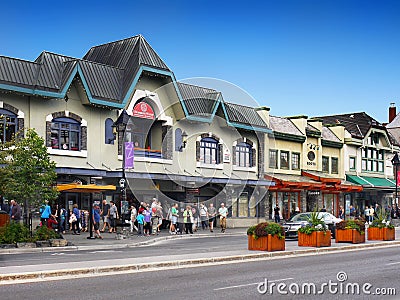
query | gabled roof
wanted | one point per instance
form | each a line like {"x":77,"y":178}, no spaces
{"x":328,"y":135}
{"x":245,"y":115}
{"x":199,"y":101}
{"x":357,"y":124}
{"x":284,"y":125}
{"x":108,"y":72}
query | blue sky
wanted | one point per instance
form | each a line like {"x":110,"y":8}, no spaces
{"x":304,"y":57}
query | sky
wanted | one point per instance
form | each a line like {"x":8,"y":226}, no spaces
{"x":298,"y":57}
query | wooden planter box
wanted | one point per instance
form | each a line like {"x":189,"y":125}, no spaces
{"x":381,"y":234}
{"x":315,"y":239}
{"x":349,"y":236}
{"x":266,"y":243}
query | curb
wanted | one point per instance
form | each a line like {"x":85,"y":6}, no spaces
{"x":9,"y":278}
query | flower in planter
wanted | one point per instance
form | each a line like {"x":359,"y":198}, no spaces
{"x":315,"y":223}
{"x":266,"y":228}
{"x":381,"y":221}
{"x":359,"y":225}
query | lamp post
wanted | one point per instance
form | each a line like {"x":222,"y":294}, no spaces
{"x":396,"y":163}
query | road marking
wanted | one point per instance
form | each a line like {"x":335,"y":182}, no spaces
{"x":104,"y":251}
{"x":394,"y":263}
{"x":249,"y":284}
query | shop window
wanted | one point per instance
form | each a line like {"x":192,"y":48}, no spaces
{"x":209,"y":151}
{"x":284,"y":158}
{"x":325,"y":164}
{"x":295,"y":161}
{"x":8,"y":125}
{"x":335,"y":165}
{"x":244,"y":155}
{"x":244,"y":205}
{"x":65,"y":134}
{"x":273,"y":161}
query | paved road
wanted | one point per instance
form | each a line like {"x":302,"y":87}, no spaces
{"x":378,"y":267}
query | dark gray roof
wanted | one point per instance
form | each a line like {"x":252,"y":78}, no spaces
{"x":108,"y":69}
{"x":199,"y":101}
{"x":357,"y":124}
{"x":328,"y":135}
{"x":245,"y":115}
{"x":284,"y":125}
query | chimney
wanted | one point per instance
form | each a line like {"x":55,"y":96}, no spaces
{"x":392,"y":112}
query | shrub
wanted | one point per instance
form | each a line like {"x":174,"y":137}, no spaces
{"x":266,"y":228}
{"x":315,"y":223}
{"x":359,"y":225}
{"x":14,"y":233}
{"x":43,"y":233}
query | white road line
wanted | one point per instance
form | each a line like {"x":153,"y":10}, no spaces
{"x":394,"y":263}
{"x":255,"y":283}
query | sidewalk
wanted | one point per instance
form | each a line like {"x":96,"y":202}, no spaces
{"x":135,"y":264}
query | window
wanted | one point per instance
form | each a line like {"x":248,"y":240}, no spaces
{"x":209,"y":151}
{"x":243,"y":152}
{"x":8,"y":125}
{"x":335,"y":165}
{"x":273,"y":161}
{"x":372,"y":160}
{"x":65,"y":134}
{"x":295,"y":161}
{"x":352,"y":163}
{"x":109,"y":134}
{"x":284,"y":160}
{"x":325,"y":164}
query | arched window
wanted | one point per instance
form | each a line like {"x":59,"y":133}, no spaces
{"x":8,"y":125}
{"x":244,"y":155}
{"x":109,"y":134}
{"x":65,"y":134}
{"x":209,"y":151}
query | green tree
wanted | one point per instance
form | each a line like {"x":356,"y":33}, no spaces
{"x":28,"y":175}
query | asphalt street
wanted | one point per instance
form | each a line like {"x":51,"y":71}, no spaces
{"x":375,"y":270}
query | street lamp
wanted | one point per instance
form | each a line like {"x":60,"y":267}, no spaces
{"x":396,"y":163}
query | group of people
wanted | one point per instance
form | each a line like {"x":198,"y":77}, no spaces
{"x":187,"y":219}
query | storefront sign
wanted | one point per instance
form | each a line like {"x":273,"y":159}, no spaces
{"x":143,"y":110}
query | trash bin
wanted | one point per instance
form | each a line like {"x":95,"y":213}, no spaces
{"x":4,"y":218}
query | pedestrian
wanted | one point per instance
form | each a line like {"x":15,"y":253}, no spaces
{"x":140,"y":220}
{"x":113,"y":215}
{"x":366,"y":213}
{"x":195,"y":216}
{"x":277,"y":216}
{"x":341,"y":213}
{"x":181,"y":220}
{"x":187,"y":220}
{"x":393,"y":212}
{"x":147,"y":219}
{"x":63,"y":217}
{"x":174,"y":219}
{"x":75,"y":224}
{"x":45,"y":213}
{"x":105,"y":216}
{"x":133,"y":218}
{"x":203,"y":216}
{"x":96,"y":220}
{"x":212,"y":212}
{"x":154,"y":220}
{"x":223,"y":213}
{"x":160,"y":215}
{"x":352,"y":212}
{"x":371,"y":214}
{"x":52,"y":223}
{"x":15,"y":212}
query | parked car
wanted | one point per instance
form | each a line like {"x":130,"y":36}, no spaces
{"x":295,"y":222}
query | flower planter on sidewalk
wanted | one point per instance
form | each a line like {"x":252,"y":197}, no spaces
{"x":266,"y":243}
{"x":315,"y":239}
{"x":349,"y":236}
{"x":381,"y":234}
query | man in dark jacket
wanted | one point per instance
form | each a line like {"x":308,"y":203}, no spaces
{"x":15,"y":212}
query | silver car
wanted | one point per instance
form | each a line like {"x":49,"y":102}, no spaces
{"x":292,"y":225}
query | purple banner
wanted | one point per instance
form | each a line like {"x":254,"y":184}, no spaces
{"x":129,"y":155}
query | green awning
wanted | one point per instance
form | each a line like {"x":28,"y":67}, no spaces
{"x":371,"y":181}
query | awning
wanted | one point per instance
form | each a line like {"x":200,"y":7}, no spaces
{"x":367,"y":181}
{"x":84,"y":188}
